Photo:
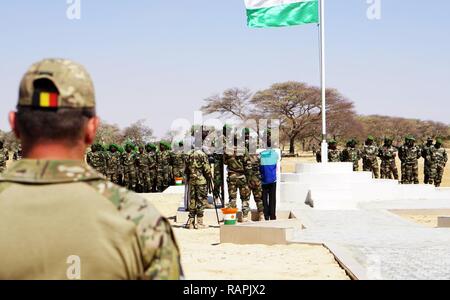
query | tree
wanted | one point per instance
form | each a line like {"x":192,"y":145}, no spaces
{"x":234,"y":102}
{"x":138,"y":132}
{"x":109,"y":133}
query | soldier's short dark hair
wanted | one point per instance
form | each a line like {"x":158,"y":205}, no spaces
{"x":64,"y":124}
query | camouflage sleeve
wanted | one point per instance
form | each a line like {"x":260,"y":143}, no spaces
{"x":207,"y":168}
{"x":160,"y":252}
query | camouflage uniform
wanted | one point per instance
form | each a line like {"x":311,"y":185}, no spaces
{"x":237,"y":165}
{"x":409,"y":155}
{"x":440,"y":159}
{"x":96,"y":159}
{"x":129,"y":169}
{"x":198,"y":174}
{"x":64,"y":208}
{"x":429,"y":165}
{"x":142,"y":161}
{"x":353,"y":155}
{"x":389,"y":170}
{"x":179,"y":164}
{"x":218,"y":175}
{"x":113,"y":166}
{"x":163,"y":176}
{"x":370,"y":161}
{"x":152,"y":168}
{"x":334,"y":155}
{"x":253,"y":176}
{"x":4,"y":157}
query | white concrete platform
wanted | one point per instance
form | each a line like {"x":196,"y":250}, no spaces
{"x":444,"y":222}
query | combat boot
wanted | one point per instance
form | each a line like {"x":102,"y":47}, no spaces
{"x":245,"y":218}
{"x":190,"y":224}
{"x":261,"y":217}
{"x":200,"y":224}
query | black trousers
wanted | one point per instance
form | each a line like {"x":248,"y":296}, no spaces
{"x":269,"y":198}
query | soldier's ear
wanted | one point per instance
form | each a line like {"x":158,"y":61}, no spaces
{"x":91,"y":130}
{"x":12,"y":122}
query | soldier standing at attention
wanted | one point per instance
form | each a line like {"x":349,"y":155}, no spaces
{"x":18,"y":153}
{"x":143,"y":169}
{"x":163,"y":158}
{"x":440,"y":159}
{"x":113,"y":167}
{"x":253,"y":175}
{"x":237,"y":162}
{"x":429,"y":168}
{"x":151,"y":154}
{"x":387,"y":154}
{"x":352,"y":154}
{"x":409,"y":154}
{"x":128,"y":162}
{"x":4,"y":157}
{"x":369,"y":156}
{"x":334,"y":154}
{"x":63,"y":208}
{"x":96,"y":158}
{"x":198,"y":174}
{"x":179,"y":162}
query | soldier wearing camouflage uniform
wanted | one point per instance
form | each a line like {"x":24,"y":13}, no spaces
{"x":96,"y":158}
{"x":429,"y":167}
{"x":352,"y":154}
{"x":142,"y":161}
{"x":369,"y":155}
{"x":128,"y":162}
{"x":113,"y":164}
{"x":63,"y":208}
{"x":152,"y":168}
{"x":334,"y":154}
{"x":4,"y":157}
{"x":409,"y":154}
{"x":387,"y":154}
{"x":163,"y":161}
{"x":253,"y":175}
{"x":440,"y":159}
{"x":238,"y":163}
{"x":18,"y":153}
{"x":198,"y":174}
{"x":179,"y":162}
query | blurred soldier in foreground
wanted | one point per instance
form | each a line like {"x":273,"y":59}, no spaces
{"x":151,"y":154}
{"x":334,"y":154}
{"x":387,"y":154}
{"x":429,"y":166}
{"x":96,"y":158}
{"x":4,"y":157}
{"x":440,"y":159}
{"x":198,"y":174}
{"x":409,"y":154}
{"x":128,"y":162}
{"x":369,"y":156}
{"x":113,"y":167}
{"x":352,"y":154}
{"x":62,"y":209}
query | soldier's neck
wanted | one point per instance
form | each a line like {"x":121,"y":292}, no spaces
{"x":54,"y":151}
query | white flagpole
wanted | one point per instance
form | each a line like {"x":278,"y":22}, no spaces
{"x":324,"y":147}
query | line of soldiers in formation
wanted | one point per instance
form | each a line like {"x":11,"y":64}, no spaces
{"x":4,"y":155}
{"x":150,"y":169}
{"x":409,"y":153}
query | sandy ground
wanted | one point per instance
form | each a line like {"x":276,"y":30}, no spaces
{"x":203,"y":257}
{"x":288,"y":166}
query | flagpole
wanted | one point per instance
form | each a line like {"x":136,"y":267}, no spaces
{"x":324,"y":146}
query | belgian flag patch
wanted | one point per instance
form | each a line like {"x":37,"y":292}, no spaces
{"x":45,"y":99}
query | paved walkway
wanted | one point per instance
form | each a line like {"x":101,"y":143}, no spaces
{"x":384,"y":245}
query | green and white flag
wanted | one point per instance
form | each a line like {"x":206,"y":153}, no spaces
{"x":279,"y":13}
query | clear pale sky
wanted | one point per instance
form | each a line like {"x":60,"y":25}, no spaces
{"x":157,"y":60}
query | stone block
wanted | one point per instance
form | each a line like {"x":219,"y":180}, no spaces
{"x":444,"y":222}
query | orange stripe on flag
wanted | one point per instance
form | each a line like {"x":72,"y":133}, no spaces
{"x":45,"y":100}
{"x":53,"y":100}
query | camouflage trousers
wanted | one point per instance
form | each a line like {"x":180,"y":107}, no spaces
{"x":356,"y":166}
{"x":218,"y":182}
{"x":153,"y":183}
{"x":429,"y":172}
{"x":238,"y":182}
{"x":439,"y":173}
{"x":178,"y":172}
{"x":162,"y":179}
{"x":255,"y":186}
{"x":198,"y":196}
{"x":114,"y":177}
{"x":410,"y":173}
{"x":129,"y":180}
{"x":144,"y":181}
{"x":371,"y":166}
{"x":389,"y":169}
